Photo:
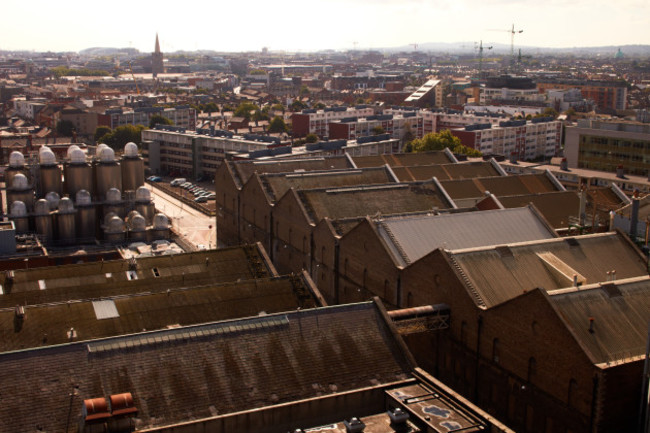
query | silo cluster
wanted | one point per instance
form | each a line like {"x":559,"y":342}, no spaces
{"x":79,"y":199}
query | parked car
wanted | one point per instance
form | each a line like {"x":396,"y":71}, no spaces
{"x":178,"y":181}
{"x":154,"y":179}
{"x":211,"y":196}
{"x":201,"y":199}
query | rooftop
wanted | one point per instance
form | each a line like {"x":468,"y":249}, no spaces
{"x":468,"y":170}
{"x":405,"y":159}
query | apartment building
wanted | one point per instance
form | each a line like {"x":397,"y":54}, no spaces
{"x":527,"y":140}
{"x":182,"y":116}
{"x":316,"y":121}
{"x":608,"y":95}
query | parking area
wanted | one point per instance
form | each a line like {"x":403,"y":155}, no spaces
{"x":207,"y":205}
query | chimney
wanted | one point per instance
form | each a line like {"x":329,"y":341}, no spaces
{"x":564,"y":165}
{"x":354,"y":425}
{"x":513,"y":157}
{"x":620,"y":172}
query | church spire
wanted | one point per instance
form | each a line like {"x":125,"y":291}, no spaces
{"x":157,"y":50}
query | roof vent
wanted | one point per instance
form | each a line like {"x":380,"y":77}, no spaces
{"x":83,"y":197}
{"x":142,"y":194}
{"x":18,"y":209}
{"x":66,"y":205}
{"x":70,"y":149}
{"x":20,"y":182}
{"x":47,"y":157}
{"x":355,"y":425}
{"x":398,"y":417}
{"x":95,"y":410}
{"x":77,"y":156}
{"x":131,"y":150}
{"x":113,"y":195}
{"x":16,"y":159}
{"x":53,"y":200}
{"x":122,"y":405}
{"x":107,"y":155}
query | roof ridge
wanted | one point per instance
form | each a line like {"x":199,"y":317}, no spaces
{"x":397,"y":245}
{"x":477,"y":297}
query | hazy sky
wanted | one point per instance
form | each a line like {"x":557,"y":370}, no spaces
{"x":305,"y":25}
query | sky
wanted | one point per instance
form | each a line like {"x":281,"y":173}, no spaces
{"x":311,"y":25}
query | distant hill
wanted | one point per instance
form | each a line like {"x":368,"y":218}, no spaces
{"x":107,"y":51}
{"x":469,"y":47}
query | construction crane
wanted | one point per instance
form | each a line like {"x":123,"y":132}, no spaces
{"x":512,"y":32}
{"x":415,"y":46}
{"x":480,"y":57}
{"x":134,"y":80}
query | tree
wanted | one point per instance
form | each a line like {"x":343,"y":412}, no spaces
{"x":304,"y":90}
{"x":319,"y":106}
{"x":65,"y":128}
{"x":278,"y":125}
{"x":439,"y":141}
{"x":244,"y":110}
{"x":159,"y":119}
{"x":311,"y":138}
{"x":549,"y":112}
{"x":122,"y":135}
{"x":298,"y":105}
{"x":378,"y":130}
{"x":101,"y":131}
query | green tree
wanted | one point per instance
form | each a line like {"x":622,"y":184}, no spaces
{"x":122,"y":135}
{"x":378,"y":130}
{"x":311,"y":138}
{"x":549,"y":112}
{"x":439,"y":141}
{"x":278,"y":125}
{"x":298,"y":106}
{"x":157,"y":119}
{"x":278,"y":107}
{"x":65,"y":128}
{"x":319,"y":106}
{"x":101,"y":131}
{"x":244,"y":110}
{"x":304,"y":90}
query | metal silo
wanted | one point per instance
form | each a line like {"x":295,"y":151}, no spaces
{"x":86,"y":217}
{"x":65,"y":222}
{"x":18,"y":214}
{"x":43,"y":220}
{"x":144,"y":205}
{"x":78,"y":173}
{"x":160,"y":229}
{"x":114,"y":230}
{"x":132,"y":168}
{"x":107,"y":173}
{"x":20,"y":190}
{"x":49,"y":173}
{"x":16,"y":166}
{"x":137,"y":226}
{"x":114,"y":203}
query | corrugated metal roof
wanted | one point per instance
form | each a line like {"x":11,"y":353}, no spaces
{"x":495,"y":277}
{"x":411,"y":238}
{"x":620,"y":312}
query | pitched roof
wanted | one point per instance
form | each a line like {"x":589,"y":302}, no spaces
{"x":245,"y":169}
{"x":277,"y":184}
{"x":620,"y":311}
{"x":404,"y":159}
{"x":410,"y":238}
{"x":113,"y":278}
{"x":446,"y":171}
{"x":370,"y":200}
{"x":496,"y":274}
{"x":196,"y":372}
{"x":102,"y":317}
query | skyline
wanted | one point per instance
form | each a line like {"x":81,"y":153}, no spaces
{"x":340,"y":25}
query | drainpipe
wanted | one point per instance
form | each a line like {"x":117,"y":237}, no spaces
{"x":478,"y":356}
{"x":336,"y":271}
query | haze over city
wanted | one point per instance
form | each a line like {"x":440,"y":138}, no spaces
{"x":293,"y":25}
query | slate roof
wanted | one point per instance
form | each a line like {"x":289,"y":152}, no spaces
{"x":620,"y":310}
{"x":445,"y":171}
{"x":466,"y":192}
{"x":243,"y":170}
{"x":411,"y":238}
{"x":48,"y":324}
{"x":112,"y":278}
{"x":277,"y":185}
{"x":371,"y":200}
{"x":196,"y":372}
{"x":403,"y":159}
{"x":496,"y":274}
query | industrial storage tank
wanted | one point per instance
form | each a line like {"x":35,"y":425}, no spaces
{"x":132,"y":168}
{"x":114,"y":203}
{"x":49,"y":172}
{"x":107,"y":173}
{"x":65,"y":222}
{"x":144,"y":205}
{"x":43,"y":220}
{"x":114,"y":230}
{"x":78,"y":173}
{"x":137,"y":226}
{"x":18,"y":214}
{"x":160,"y":229}
{"x":20,"y":190}
{"x":16,"y":166}
{"x":52,"y":200}
{"x":86,"y":217}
